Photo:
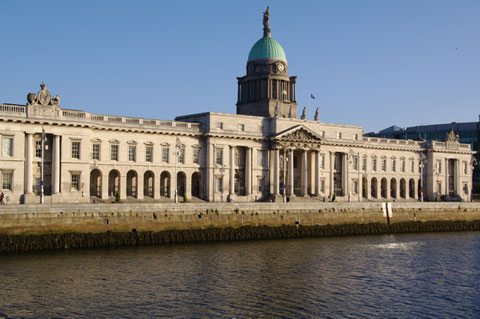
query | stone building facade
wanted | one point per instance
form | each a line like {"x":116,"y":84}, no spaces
{"x":260,"y":153}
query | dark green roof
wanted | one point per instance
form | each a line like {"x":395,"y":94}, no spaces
{"x":267,"y":48}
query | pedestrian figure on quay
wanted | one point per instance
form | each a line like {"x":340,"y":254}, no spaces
{"x":2,"y":197}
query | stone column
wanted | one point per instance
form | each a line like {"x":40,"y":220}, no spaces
{"x":304,"y":173}
{"x":317,"y":173}
{"x":209,"y":178}
{"x":360,"y":184}
{"x":56,"y":165}
{"x":291,"y":176}
{"x":140,"y":186}
{"x":346,"y":189}
{"x":389,"y":188}
{"x":415,"y":188}
{"x":231,"y":188}
{"x":276,"y":172}
{"x":248,"y":171}
{"x":457,"y":169}
{"x":446,"y":176}
{"x":28,"y":165}
{"x":332,"y":190}
{"x":397,"y":188}
{"x":105,"y":194}
{"x":123,"y":186}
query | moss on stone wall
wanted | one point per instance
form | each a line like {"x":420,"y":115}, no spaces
{"x":18,"y":243}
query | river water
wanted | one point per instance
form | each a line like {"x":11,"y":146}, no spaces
{"x":434,"y":275}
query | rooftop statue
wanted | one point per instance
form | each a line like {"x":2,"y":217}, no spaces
{"x":316,"y":115}
{"x":452,"y":137}
{"x":43,"y":97}
{"x":304,"y":114}
{"x":266,"y":24}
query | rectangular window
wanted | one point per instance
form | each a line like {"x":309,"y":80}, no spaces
{"x":394,"y":165}
{"x":241,"y":127}
{"x":412,"y":166}
{"x":220,"y":125}
{"x":149,"y":154}
{"x":355,"y":163}
{"x":76,"y":181}
{"x":181,"y":155}
{"x":439,"y":167}
{"x":76,"y":149}
{"x":8,"y":146}
{"x":364,"y":164}
{"x":114,"y":152}
{"x":355,"y":187}
{"x":322,"y":186}
{"x":260,"y":184}
{"x":295,"y":161}
{"x":165,"y":151}
{"x":374,"y":164}
{"x":465,"y":168}
{"x":132,"y":153}
{"x":38,"y":148}
{"x":7,"y":180}
{"x":403,"y":166}
{"x":439,"y":187}
{"x":96,"y":151}
{"x":260,"y":158}
{"x":196,"y":156}
{"x":322,"y":161}
{"x":219,"y":157}
{"x":236,"y":157}
{"x":384,"y":165}
{"x":218,"y":184}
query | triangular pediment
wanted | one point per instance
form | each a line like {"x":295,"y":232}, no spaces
{"x":299,"y":133}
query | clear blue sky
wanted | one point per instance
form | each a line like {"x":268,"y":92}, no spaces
{"x":372,"y":63}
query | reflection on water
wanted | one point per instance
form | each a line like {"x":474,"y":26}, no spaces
{"x":416,"y":275}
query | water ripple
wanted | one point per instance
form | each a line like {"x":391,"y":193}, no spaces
{"x":407,"y":276}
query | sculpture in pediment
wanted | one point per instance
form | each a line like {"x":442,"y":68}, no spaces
{"x":301,"y":134}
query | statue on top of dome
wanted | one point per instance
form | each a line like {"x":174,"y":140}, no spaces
{"x":266,"y":24}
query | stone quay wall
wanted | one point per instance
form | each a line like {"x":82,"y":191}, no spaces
{"x":158,"y":217}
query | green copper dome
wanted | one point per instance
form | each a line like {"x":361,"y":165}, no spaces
{"x":267,"y":48}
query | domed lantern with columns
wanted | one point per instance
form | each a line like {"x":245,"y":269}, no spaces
{"x":267,"y":89}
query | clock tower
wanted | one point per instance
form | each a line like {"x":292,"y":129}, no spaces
{"x":267,"y":89}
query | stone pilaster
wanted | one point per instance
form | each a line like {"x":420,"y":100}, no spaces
{"x":304,"y":173}
{"x":248,"y":171}
{"x":56,"y":165}
{"x":28,"y":164}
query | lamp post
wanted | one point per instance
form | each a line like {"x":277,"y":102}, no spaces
{"x":422,"y":162}
{"x":177,"y":144}
{"x":286,"y":153}
{"x":42,"y":193}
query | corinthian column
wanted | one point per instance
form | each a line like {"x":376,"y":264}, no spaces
{"x":276,"y":173}
{"x":304,"y":173}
